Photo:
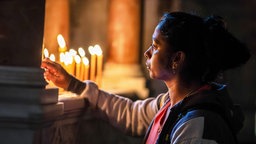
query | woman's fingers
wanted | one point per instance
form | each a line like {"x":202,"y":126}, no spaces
{"x":55,"y":73}
{"x":47,"y":64}
{"x":52,"y":67}
{"x":49,"y":76}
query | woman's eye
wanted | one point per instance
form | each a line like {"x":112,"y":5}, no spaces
{"x":153,"y":46}
{"x":154,"y":49}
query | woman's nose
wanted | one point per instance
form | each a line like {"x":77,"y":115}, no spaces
{"x":147,"y":53}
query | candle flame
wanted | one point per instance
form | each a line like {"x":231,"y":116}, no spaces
{"x":68,"y":59}
{"x":61,"y":41}
{"x":97,"y":50}
{"x":52,"y":57}
{"x":62,"y":57}
{"x":85,"y":61}
{"x":81,"y":52}
{"x":77,"y":59}
{"x":46,"y":53}
{"x":72,"y":52}
{"x":91,"y":50}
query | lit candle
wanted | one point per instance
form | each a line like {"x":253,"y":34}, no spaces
{"x":62,"y":43}
{"x":93,"y":63}
{"x":52,"y":57}
{"x":62,"y":58}
{"x":86,"y":68}
{"x":73,"y":53}
{"x":68,"y":60}
{"x":64,"y":61}
{"x":78,"y":67}
{"x":98,"y":52}
{"x":81,"y":52}
{"x":46,"y":53}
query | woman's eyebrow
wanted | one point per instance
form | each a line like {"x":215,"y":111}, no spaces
{"x":155,"y":39}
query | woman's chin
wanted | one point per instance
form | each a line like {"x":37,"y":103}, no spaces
{"x":152,"y":76}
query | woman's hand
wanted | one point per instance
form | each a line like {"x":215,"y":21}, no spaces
{"x":56,"y":73}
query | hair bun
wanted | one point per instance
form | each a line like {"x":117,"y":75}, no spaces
{"x":224,"y":51}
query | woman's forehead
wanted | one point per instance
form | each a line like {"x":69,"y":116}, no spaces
{"x":157,"y":37}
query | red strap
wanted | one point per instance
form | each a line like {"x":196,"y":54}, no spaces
{"x":157,"y":125}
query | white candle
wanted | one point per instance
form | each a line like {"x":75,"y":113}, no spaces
{"x":72,"y":52}
{"x":46,"y":53}
{"x":52,"y":57}
{"x":68,"y":63}
{"x":98,"y":52}
{"x":93,"y":63}
{"x":78,"y":67}
{"x":85,"y":68}
{"x":62,"y":43}
{"x":81,"y":52}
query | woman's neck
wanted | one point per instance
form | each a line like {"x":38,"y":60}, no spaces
{"x":178,"y":91}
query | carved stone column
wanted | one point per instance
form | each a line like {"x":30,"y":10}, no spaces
{"x":122,"y":73}
{"x":25,"y":105}
{"x":124,"y":31}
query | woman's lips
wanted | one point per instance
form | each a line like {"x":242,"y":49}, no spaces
{"x":148,"y":66}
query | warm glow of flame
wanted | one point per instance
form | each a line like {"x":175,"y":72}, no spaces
{"x":97,"y":50}
{"x":91,"y":50}
{"x":85,"y":61}
{"x":62,"y":57}
{"x":52,"y":57}
{"x":46,"y":53}
{"x":68,"y":59}
{"x":77,"y":59}
{"x":81,"y":52}
{"x":72,"y":52}
{"x":61,"y":41}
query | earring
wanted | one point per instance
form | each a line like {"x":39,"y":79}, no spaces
{"x":174,"y":67}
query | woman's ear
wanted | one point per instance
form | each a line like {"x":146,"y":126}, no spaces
{"x":177,"y":61}
{"x":179,"y":57}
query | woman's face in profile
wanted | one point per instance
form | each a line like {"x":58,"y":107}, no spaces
{"x":157,"y":57}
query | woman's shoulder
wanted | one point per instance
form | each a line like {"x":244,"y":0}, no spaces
{"x":162,"y":99}
{"x":203,"y":125}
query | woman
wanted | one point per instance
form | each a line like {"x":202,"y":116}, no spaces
{"x":187,"y":53}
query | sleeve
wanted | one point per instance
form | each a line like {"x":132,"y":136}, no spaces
{"x":76,"y":86}
{"x":131,"y":117}
{"x":191,"y":132}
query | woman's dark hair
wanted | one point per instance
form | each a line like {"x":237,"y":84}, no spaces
{"x":208,"y":46}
